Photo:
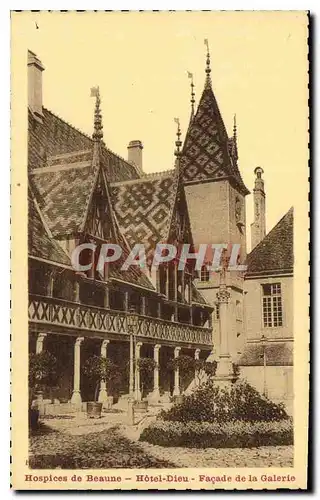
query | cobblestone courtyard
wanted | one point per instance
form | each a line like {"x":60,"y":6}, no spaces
{"x":75,"y":442}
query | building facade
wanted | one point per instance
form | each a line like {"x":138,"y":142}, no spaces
{"x":80,"y":192}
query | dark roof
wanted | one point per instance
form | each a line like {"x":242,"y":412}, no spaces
{"x":277,"y":354}
{"x":55,"y":136}
{"x":197,"y":296}
{"x":275,"y":252}
{"x":143,"y":209}
{"x":63,"y":190}
{"x":206,"y":150}
{"x":40,"y":244}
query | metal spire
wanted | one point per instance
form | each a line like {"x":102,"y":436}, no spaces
{"x":97,"y":132}
{"x":235,"y":138}
{"x":190,"y":75}
{"x":178,"y":141}
{"x":208,"y":68}
{"x":235,"y":127}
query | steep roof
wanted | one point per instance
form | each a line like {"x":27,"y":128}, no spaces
{"x":63,"y":189}
{"x":277,"y":354}
{"x":40,"y":243}
{"x":206,"y":150}
{"x":143,"y":209}
{"x":275,"y":252}
{"x":55,"y":136}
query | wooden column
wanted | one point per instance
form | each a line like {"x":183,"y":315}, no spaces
{"x":183,"y":286}
{"x":167,"y":280}
{"x":126,"y":301}
{"x":106,"y":299}
{"x":143,"y":305}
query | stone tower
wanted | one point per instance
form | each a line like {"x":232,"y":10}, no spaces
{"x":258,"y":227}
{"x":215,"y":195}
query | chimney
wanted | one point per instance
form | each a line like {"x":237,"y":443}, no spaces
{"x":35,"y":68}
{"x":258,"y":227}
{"x":135,"y":154}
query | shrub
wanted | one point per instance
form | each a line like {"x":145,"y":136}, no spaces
{"x":211,"y":403}
{"x":146,"y":368}
{"x":219,"y":434}
{"x":98,"y":368}
{"x":43,"y":373}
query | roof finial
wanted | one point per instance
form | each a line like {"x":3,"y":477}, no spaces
{"x":235,"y":127}
{"x":190,"y":75}
{"x":208,"y":68}
{"x":178,"y":141}
{"x":235,"y":139}
{"x":97,"y":132}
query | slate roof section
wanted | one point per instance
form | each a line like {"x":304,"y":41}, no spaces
{"x":277,"y":354}
{"x":40,"y":244}
{"x":143,"y":209}
{"x":274,"y":253}
{"x":55,"y":136}
{"x":197,"y":297}
{"x":206,"y":150}
{"x":63,"y":190}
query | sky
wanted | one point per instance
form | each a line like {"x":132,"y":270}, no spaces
{"x":140,"y":62}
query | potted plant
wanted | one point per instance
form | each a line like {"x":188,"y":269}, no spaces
{"x":98,"y":369}
{"x":146,"y":368}
{"x":43,"y":374}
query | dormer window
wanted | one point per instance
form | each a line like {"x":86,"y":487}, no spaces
{"x":204,"y":275}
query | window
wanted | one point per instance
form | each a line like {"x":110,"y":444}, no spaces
{"x":272,"y":305}
{"x":204,"y":276}
{"x":217,"y":315}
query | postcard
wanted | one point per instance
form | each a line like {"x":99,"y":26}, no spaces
{"x":160,"y":231}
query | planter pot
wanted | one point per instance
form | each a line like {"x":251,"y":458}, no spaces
{"x":178,"y":400}
{"x":141,"y":406}
{"x":94,"y":410}
{"x":33,"y":418}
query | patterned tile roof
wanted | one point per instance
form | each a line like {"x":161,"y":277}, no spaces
{"x":143,"y":209}
{"x":275,"y":252}
{"x":40,"y":244}
{"x":206,"y":150}
{"x":63,"y":190}
{"x":55,"y":136}
{"x":277,"y":354}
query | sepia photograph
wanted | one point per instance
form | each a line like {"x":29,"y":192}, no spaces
{"x":162,"y":194}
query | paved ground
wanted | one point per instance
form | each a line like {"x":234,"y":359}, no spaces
{"x":266,"y":456}
{"x":74,"y":441}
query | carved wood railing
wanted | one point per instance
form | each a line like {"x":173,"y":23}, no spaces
{"x":62,"y":313}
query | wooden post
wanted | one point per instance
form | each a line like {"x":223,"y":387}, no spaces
{"x":106,"y":301}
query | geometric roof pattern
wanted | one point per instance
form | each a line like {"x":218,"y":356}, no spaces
{"x":275,"y":252}
{"x":143,"y":209}
{"x":40,"y":244}
{"x":206,"y":150}
{"x":55,"y":136}
{"x":63,"y":189}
